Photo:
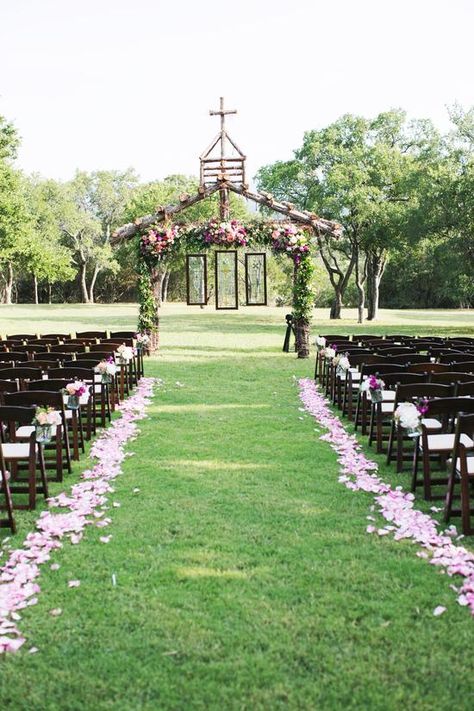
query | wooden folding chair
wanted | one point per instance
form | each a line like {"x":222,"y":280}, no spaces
{"x":73,"y":417}
{"x":27,"y":453}
{"x":9,"y":521}
{"x":461,"y":471}
{"x":412,"y":392}
{"x":60,"y":439}
{"x":439,"y":445}
{"x":381,"y":413}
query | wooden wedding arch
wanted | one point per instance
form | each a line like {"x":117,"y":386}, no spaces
{"x":223,"y":171}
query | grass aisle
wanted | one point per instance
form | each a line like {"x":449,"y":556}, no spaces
{"x":245,"y":578}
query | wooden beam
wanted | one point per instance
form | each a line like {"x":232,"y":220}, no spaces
{"x":319,"y":224}
{"x":127,"y":231}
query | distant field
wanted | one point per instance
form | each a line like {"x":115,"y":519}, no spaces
{"x":44,"y":318}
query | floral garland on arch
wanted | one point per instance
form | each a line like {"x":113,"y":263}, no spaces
{"x":159,"y":242}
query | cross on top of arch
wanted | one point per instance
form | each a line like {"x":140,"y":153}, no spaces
{"x":223,"y":161}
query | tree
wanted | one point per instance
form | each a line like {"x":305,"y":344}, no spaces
{"x":46,"y":257}
{"x":97,"y":202}
{"x":359,"y":173}
{"x":14,"y":226}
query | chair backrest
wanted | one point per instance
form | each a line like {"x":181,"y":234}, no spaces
{"x":30,"y":373}
{"x":389,"y":350}
{"x":51,"y":384}
{"x":13,"y":357}
{"x":410,"y":391}
{"x":69,"y":348}
{"x":43,"y":364}
{"x":8,"y":386}
{"x":105,"y":347}
{"x":73,"y":371}
{"x":447,"y":408}
{"x":89,"y":363}
{"x":62,"y":336}
{"x":91,"y":334}
{"x":400,"y":358}
{"x":464,"y":389}
{"x":123,"y":334}
{"x":454,"y":357}
{"x":21,"y":336}
{"x":391,"y":379}
{"x":28,"y":349}
{"x":467,"y":365}
{"x":465,"y":425}
{"x":127,"y":340}
{"x":357,"y":358}
{"x":379,"y":368}
{"x":450,"y":376}
{"x":55,"y":357}
{"x":43,"y":341}
{"x":16,"y":414}
{"x":42,"y":398}
{"x":429,"y":367}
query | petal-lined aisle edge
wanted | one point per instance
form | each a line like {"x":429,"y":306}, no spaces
{"x":18,"y":577}
{"x":395,"y":505}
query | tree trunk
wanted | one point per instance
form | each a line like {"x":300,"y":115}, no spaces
{"x":164,"y":287}
{"x":360,"y":279}
{"x":50,"y":293}
{"x":92,"y":285}
{"x":336,"y":305}
{"x":8,"y":284}
{"x":85,"y":294}
{"x":35,"y":288}
{"x":302,"y":337}
{"x":376,"y":262}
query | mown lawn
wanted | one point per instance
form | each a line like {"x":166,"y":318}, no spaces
{"x":245,"y":578}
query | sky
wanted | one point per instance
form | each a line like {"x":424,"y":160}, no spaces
{"x":112,"y":84}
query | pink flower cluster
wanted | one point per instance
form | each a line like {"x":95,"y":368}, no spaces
{"x":288,"y":238}
{"x":78,"y":387}
{"x":156,"y":241}
{"x":18,"y":577}
{"x":231,"y":233}
{"x":396,"y":506}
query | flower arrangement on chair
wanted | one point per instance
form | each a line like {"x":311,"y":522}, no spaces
{"x":373,"y":386}
{"x":125,"y":353}
{"x":73,"y":392}
{"x":106,"y":369}
{"x":408,"y":416}
{"x":44,"y":420}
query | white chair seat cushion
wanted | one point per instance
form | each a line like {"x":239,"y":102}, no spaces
{"x":68,"y":414}
{"x":388,"y":395}
{"x":16,"y":450}
{"x":470,"y":465}
{"x":98,"y":389}
{"x":431,"y":423}
{"x":387,"y":407}
{"x":445,"y":442}
{"x":25,"y":431}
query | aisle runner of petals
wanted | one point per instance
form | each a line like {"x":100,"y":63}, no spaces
{"x":18,"y":586}
{"x":396,"y":506}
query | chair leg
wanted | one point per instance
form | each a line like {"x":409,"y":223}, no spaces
{"x":75,"y":436}
{"x":8,"y":503}
{"x":465,"y":505}
{"x":32,"y":482}
{"x":426,"y":475}
{"x":449,"y":495}
{"x":42,"y":467}
{"x":416,"y":457}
